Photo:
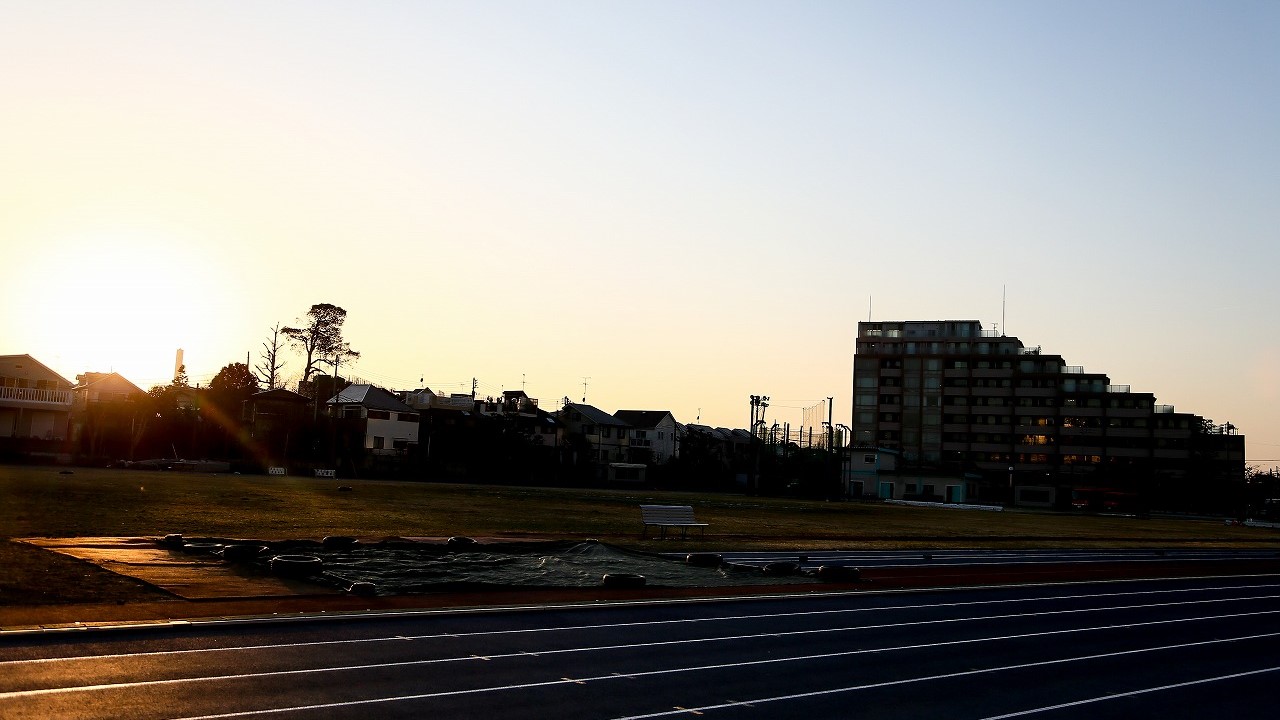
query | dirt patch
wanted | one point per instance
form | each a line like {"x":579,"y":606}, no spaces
{"x":188,"y":576}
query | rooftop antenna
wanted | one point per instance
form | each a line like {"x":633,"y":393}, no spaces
{"x":521,"y":382}
{"x":1004,"y":292}
{"x":869,"y":308}
{"x":584,"y":388}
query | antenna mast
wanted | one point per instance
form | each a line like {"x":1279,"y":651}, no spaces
{"x":1004,"y":291}
{"x":584,"y":388}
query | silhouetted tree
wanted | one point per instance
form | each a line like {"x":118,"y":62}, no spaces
{"x":269,"y":370}
{"x":225,"y":433}
{"x":235,"y":378}
{"x":320,"y":338}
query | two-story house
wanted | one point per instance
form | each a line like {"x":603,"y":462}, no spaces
{"x":606,"y":435}
{"x":385,"y":425}
{"x":109,"y":415}
{"x":652,"y":435}
{"x":35,"y":402}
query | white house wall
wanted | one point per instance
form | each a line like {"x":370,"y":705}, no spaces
{"x":391,"y":430}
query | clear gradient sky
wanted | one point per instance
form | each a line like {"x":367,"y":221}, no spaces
{"x":688,"y":202}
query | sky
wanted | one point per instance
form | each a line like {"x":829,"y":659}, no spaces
{"x":677,"y":205}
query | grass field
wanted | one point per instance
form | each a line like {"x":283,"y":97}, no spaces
{"x":40,"y":501}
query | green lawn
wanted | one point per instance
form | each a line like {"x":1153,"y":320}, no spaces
{"x":41,"y":501}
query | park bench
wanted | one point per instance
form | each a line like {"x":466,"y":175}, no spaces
{"x":669,"y":516}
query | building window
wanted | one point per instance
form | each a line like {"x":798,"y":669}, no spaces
{"x":379,"y":442}
{"x":379,"y":415}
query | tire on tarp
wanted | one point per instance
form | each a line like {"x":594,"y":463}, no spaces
{"x":703,"y":559}
{"x":781,"y":568}
{"x":296,"y":565}
{"x":201,"y":548}
{"x":838,"y":573}
{"x":623,"y":580}
{"x":338,"y":542}
{"x":242,"y":552}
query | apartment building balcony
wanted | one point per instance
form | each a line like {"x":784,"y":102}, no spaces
{"x":1066,"y":449}
{"x":992,"y":372}
{"x":1069,"y":432}
{"x":1170,"y":454}
{"x":1128,"y":412}
{"x":990,"y":391}
{"x":35,"y":398}
{"x":1037,"y":392}
{"x":1120,"y":432}
{"x":1128,"y":452}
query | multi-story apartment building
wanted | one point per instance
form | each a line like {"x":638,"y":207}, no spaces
{"x":963,"y":402}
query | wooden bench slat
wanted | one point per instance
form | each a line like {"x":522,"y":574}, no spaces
{"x":665,"y":516}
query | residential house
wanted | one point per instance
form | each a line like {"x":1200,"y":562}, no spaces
{"x":35,"y":402}
{"x":652,"y":435}
{"x":280,"y":424}
{"x":109,"y":416}
{"x":524,"y":415}
{"x":605,"y":436}
{"x":376,"y":419}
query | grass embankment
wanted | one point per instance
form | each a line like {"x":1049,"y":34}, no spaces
{"x":43,"y":502}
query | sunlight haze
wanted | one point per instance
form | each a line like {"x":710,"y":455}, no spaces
{"x":684,"y":203}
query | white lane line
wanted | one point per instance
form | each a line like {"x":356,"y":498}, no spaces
{"x":647,"y":645}
{"x":724,"y":666}
{"x":943,"y":676}
{"x":1132,"y":693}
{"x":653,"y":623}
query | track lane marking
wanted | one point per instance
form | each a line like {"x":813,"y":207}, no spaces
{"x":942,"y":676}
{"x":1131,"y":693}
{"x":651,"y":623}
{"x":633,"y":646}
{"x":723,"y":666}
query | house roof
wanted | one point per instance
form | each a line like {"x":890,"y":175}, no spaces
{"x":280,"y":395}
{"x":369,"y":396}
{"x":113,"y":380}
{"x":596,"y":415}
{"x":644,"y":418}
{"x":16,"y":363}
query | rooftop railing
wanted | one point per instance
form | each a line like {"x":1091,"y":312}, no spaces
{"x":1117,"y":388}
{"x":1164,"y":410}
{"x":1072,"y":369}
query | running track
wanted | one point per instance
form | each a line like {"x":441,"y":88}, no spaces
{"x":1166,"y":648}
